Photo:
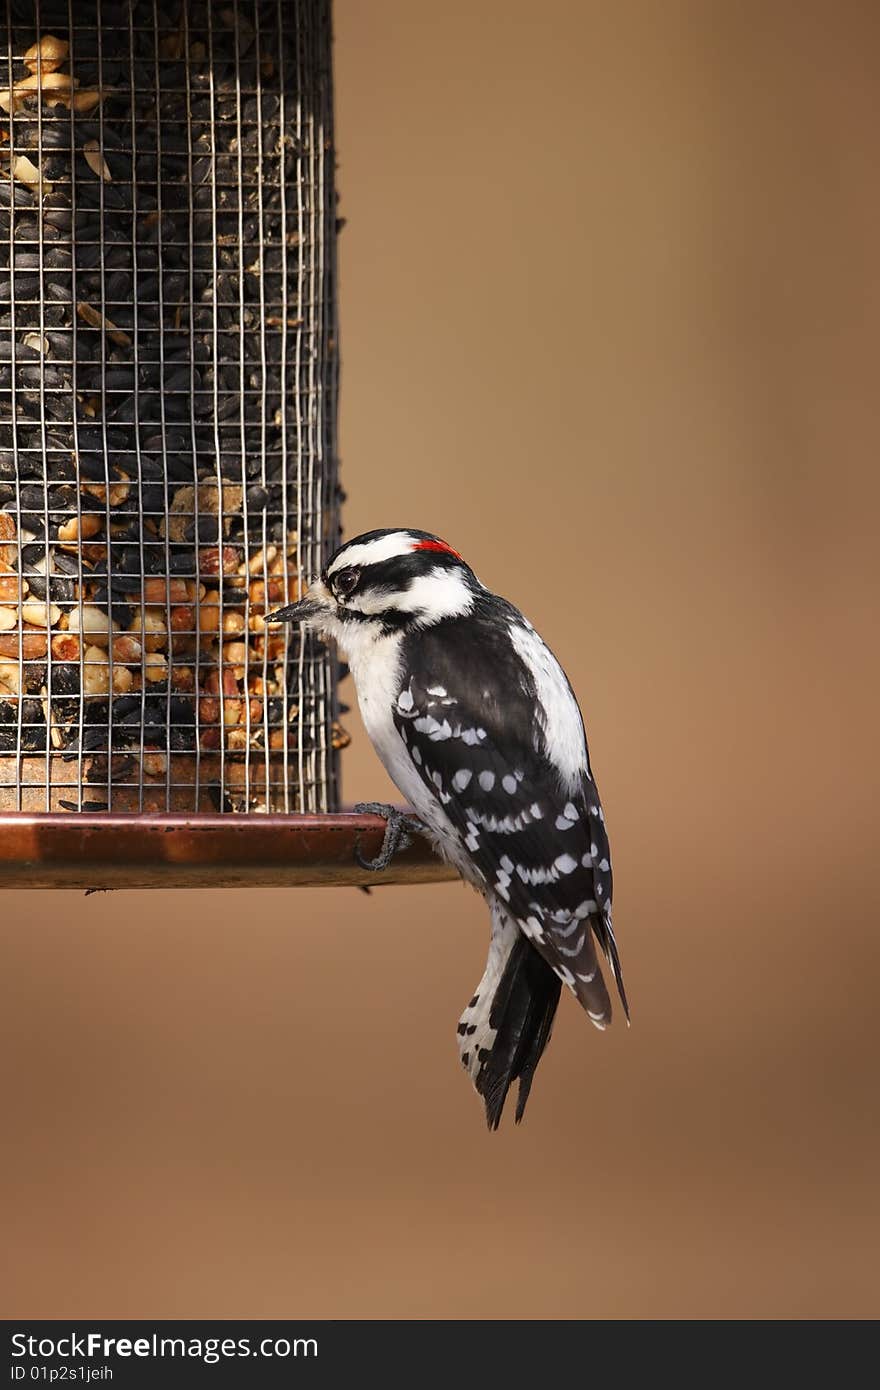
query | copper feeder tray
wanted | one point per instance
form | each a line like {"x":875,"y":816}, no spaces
{"x":128,"y":850}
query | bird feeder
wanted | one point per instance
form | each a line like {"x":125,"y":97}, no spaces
{"x":168,"y":473}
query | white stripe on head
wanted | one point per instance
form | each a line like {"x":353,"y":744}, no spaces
{"x":371,"y":552}
{"x":442,"y":593}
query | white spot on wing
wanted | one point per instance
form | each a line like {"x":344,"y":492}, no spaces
{"x":574,"y":950}
{"x":566,"y":931}
{"x":472,"y":736}
{"x":487,"y":781}
{"x":533,"y":929}
{"x":540,"y":873}
{"x":461,"y":778}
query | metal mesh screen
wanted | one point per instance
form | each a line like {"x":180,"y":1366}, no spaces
{"x":167,"y":403}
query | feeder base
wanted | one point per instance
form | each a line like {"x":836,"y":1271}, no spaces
{"x":108,"y":850}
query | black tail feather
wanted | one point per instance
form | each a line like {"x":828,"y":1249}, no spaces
{"x":522,"y":1014}
{"x":604,"y":934}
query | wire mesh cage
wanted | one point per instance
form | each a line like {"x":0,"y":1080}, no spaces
{"x":168,"y":378}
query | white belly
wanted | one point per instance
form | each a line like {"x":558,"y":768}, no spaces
{"x":375,"y":667}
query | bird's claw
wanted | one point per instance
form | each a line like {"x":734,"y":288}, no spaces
{"x":399,"y":830}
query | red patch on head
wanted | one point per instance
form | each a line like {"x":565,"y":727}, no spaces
{"x":443,"y":548}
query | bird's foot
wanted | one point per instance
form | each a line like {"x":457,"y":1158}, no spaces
{"x":399,"y":830}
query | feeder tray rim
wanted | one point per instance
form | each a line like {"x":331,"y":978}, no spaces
{"x":129,"y":849}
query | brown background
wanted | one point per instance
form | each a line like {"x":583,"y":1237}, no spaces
{"x":610,"y":293}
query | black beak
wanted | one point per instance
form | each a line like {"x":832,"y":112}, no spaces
{"x":295,"y":612}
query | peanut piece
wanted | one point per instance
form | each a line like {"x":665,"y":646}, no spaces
{"x":10,"y":675}
{"x":40,"y":614}
{"x":262,"y":559}
{"x":94,"y":624}
{"x":8,"y":553}
{"x":183,"y":619}
{"x":274,"y":589}
{"x":231,"y":712}
{"x":12,"y":587}
{"x":65,"y":646}
{"x":158,"y":589}
{"x":86,"y":100}
{"x":96,"y":672}
{"x":127,"y":650}
{"x":45,"y":82}
{"x":80,"y":528}
{"x":155,"y":667}
{"x":47,"y":54}
{"x":119,"y":491}
{"x":218,"y":560}
{"x":93,"y":551}
{"x":150,"y":629}
{"x":209,"y":710}
{"x":33,"y":645}
{"x":182,"y":680}
{"x":233,"y":623}
{"x":208,"y":616}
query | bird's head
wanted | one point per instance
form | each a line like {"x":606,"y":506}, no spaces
{"x":385,"y":581}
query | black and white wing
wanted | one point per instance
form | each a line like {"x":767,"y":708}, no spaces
{"x":476,"y":717}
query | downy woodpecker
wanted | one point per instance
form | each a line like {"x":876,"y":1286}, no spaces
{"x":477,"y":725}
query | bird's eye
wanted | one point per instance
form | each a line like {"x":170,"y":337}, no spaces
{"x":345,"y":582}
